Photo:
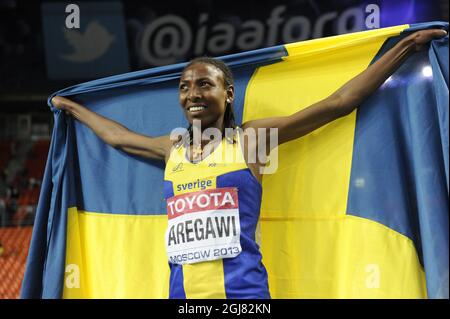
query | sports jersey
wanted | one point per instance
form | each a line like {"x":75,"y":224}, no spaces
{"x":213,"y":210}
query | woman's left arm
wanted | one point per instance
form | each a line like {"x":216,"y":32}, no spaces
{"x":350,"y":95}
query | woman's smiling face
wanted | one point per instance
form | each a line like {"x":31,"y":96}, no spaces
{"x":203,"y":95}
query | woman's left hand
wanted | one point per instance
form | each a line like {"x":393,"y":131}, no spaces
{"x":421,"y":38}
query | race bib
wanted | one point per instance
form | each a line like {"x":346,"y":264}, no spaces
{"x":203,"y":226}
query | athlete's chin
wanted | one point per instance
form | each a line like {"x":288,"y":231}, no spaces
{"x":205,"y":121}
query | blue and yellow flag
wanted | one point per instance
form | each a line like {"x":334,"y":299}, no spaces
{"x":356,"y":209}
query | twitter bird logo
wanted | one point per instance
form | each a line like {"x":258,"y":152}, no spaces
{"x":87,"y":46}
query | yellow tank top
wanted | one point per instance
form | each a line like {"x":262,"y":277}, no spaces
{"x":241,"y":276}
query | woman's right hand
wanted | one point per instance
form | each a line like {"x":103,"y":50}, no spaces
{"x":62,"y":103}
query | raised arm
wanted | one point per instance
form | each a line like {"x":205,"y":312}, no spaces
{"x":116,"y":134}
{"x":350,"y":95}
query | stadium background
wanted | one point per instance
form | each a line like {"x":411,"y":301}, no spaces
{"x":38,"y":58}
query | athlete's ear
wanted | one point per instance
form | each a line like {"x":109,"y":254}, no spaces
{"x":230,"y":94}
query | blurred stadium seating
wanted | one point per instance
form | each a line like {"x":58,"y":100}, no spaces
{"x":18,"y":204}
{"x":23,"y":191}
{"x":5,"y":152}
{"x":15,"y":242}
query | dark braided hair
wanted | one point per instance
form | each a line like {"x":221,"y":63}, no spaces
{"x":228,"y":118}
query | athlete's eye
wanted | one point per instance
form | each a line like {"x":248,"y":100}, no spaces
{"x":183,"y":87}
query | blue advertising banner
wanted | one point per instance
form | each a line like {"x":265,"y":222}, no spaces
{"x":95,"y":47}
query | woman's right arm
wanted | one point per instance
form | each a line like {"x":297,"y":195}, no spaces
{"x":115,"y":134}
